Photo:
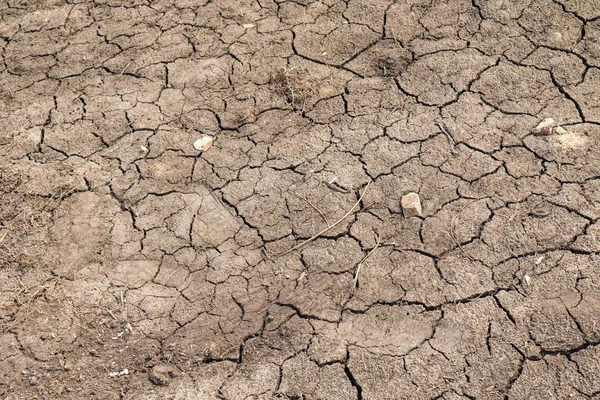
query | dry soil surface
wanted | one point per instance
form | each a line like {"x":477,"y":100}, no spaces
{"x":134,"y":266}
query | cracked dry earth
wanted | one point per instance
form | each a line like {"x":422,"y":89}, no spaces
{"x":134,"y":266}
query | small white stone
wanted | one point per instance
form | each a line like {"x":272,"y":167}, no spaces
{"x":527,"y":279}
{"x":119,"y":373}
{"x":560,"y":130}
{"x":248,"y":26}
{"x":539,"y":260}
{"x":204,"y":143}
{"x":544,"y":127}
{"x":411,"y":205}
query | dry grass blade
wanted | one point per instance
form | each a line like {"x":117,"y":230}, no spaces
{"x":124,"y":69}
{"x":307,"y":241}
{"x":3,"y":236}
{"x":111,"y":314}
{"x":451,"y":141}
{"x":360,"y":264}
{"x":314,"y":208}
{"x":295,"y":85}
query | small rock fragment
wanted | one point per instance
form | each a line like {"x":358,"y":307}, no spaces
{"x":33,"y":380}
{"x":560,"y":130}
{"x":248,"y":26}
{"x":119,"y":373}
{"x":411,"y":205}
{"x":544,"y":127}
{"x":162,"y":374}
{"x":539,"y":260}
{"x":204,"y":143}
{"x":65,"y":365}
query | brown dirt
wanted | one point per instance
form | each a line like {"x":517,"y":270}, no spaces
{"x":134,"y":267}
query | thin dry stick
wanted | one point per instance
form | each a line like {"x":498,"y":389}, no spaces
{"x":124,"y":313}
{"x":307,"y":241}
{"x":336,"y":187}
{"x":122,"y":72}
{"x":315,"y":208}
{"x":111,"y":314}
{"x":267,"y":307}
{"x":452,"y":222}
{"x":365,"y":259}
{"x":450,"y":138}
{"x":167,"y":280}
{"x":290,"y":88}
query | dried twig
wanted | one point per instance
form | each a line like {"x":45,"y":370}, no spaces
{"x":360,"y":264}
{"x":307,"y":241}
{"x":450,"y":138}
{"x":315,"y":208}
{"x":128,"y":328}
{"x":111,"y":314}
{"x":122,"y":72}
{"x":336,"y":186}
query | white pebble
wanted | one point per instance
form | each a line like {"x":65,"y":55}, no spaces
{"x":204,"y":143}
{"x":119,"y":373}
{"x":539,"y":260}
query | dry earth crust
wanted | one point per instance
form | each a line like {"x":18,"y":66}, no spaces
{"x":133,"y":266}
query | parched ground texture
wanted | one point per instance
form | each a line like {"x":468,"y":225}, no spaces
{"x":133,"y":266}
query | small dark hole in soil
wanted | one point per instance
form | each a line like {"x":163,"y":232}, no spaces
{"x":389,"y":66}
